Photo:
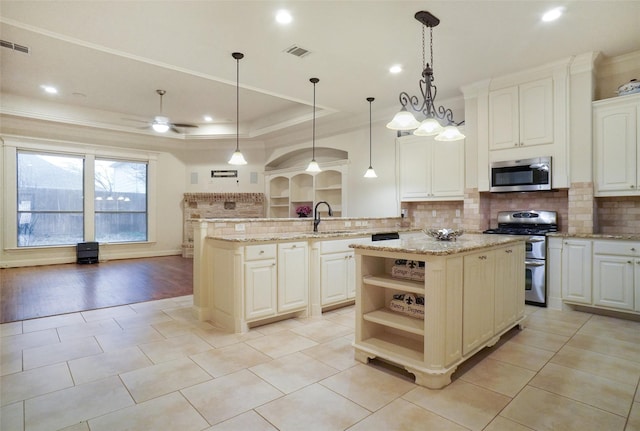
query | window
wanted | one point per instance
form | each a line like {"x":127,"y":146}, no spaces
{"x":51,"y":208}
{"x":50,"y":199}
{"x":120,"y":201}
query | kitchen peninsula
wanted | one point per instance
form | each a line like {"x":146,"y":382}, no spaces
{"x":249,"y":272}
{"x":473,"y":292}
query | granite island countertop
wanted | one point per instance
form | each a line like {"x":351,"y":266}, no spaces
{"x":420,"y":243}
{"x":292,"y":236}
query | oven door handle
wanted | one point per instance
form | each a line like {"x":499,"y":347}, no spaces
{"x":533,"y":239}
{"x":534,"y":263}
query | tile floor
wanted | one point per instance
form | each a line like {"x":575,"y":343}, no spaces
{"x":150,"y":366}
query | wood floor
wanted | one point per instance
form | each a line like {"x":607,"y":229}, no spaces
{"x":31,"y":292}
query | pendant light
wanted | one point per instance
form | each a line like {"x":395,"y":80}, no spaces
{"x":370,"y":172}
{"x":434,"y":116}
{"x":237,"y":158}
{"x":313,"y":165}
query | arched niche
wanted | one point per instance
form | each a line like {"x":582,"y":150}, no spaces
{"x":301,"y":157}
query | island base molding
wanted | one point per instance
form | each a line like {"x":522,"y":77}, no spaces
{"x":432,"y":378}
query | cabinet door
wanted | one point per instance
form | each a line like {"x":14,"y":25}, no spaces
{"x":576,"y":271}
{"x":334,"y":269}
{"x":536,"y":112}
{"x":414,"y":170}
{"x":509,"y":285}
{"x":615,"y":141}
{"x":503,"y":119}
{"x":293,"y":279}
{"x":447,"y":177}
{"x":613,"y":281}
{"x":260,"y":281}
{"x":478,"y":300}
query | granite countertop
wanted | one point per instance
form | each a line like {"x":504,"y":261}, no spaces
{"x":626,"y":236}
{"x":419,"y":243}
{"x":291,"y":236}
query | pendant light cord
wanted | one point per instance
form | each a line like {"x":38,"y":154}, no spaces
{"x":370,"y":99}
{"x":313,"y":136}
{"x":237,"y":103}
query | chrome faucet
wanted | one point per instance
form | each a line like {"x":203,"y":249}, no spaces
{"x":316,"y":214}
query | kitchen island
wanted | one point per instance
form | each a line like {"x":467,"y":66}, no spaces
{"x":472,"y":290}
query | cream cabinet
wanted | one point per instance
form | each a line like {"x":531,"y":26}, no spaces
{"x":616,"y":274}
{"x":521,"y":115}
{"x":430,"y":170}
{"x":289,"y":190}
{"x":260,"y":281}
{"x":576,"y":270}
{"x":599,"y":273}
{"x":250,"y":283}
{"x":293,"y":276}
{"x":509,"y":302}
{"x":478,"y":300}
{"x":333,"y":271}
{"x":616,"y":124}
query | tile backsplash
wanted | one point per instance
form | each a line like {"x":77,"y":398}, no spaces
{"x":618,"y":215}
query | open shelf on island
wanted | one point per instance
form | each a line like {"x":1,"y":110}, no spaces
{"x":395,"y":320}
{"x":389,"y":282}
{"x":396,"y":347}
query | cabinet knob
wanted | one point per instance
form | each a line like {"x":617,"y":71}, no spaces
{"x":508,"y":251}
{"x":633,"y":249}
{"x":629,"y":261}
{"x":261,"y":251}
{"x":632,"y":186}
{"x":483,"y":257}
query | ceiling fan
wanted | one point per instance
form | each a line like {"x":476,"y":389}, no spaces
{"x":162,"y":124}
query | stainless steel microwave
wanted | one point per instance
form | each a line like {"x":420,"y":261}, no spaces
{"x":521,"y":175}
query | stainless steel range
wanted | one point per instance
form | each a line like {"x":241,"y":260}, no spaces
{"x":535,"y":224}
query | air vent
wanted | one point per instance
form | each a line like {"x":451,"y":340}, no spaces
{"x":14,"y":46}
{"x":297,"y":51}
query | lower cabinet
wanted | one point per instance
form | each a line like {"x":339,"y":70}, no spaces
{"x":601,"y":273}
{"x":478,"y":299}
{"x":490,"y":302}
{"x":576,"y":270}
{"x":337,"y":275}
{"x":616,"y":274}
{"x":293,"y":276}
{"x":256,"y":282}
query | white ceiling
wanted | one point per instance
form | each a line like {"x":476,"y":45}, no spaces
{"x":107,"y":58}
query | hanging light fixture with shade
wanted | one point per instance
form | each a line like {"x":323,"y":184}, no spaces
{"x":237,"y":158}
{"x":438,"y":121}
{"x":370,"y":173}
{"x":313,"y":165}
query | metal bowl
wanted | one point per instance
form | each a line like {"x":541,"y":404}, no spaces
{"x":444,"y":234}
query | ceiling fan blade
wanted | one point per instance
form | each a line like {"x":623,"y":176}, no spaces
{"x":183,"y":125}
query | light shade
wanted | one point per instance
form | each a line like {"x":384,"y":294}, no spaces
{"x":450,"y":133}
{"x":428,"y":127}
{"x":237,"y":158}
{"x":160,"y":124}
{"x":370,"y":173}
{"x":403,"y":120}
{"x":313,"y":167}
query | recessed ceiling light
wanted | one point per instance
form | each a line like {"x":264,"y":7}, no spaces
{"x":553,"y":14}
{"x":208,"y":118}
{"x":49,"y":89}
{"x":396,"y":68}
{"x":283,"y":17}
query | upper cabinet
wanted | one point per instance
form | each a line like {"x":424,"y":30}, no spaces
{"x":288,"y":190}
{"x":430,"y":170}
{"x":616,"y":134}
{"x":521,"y":115}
